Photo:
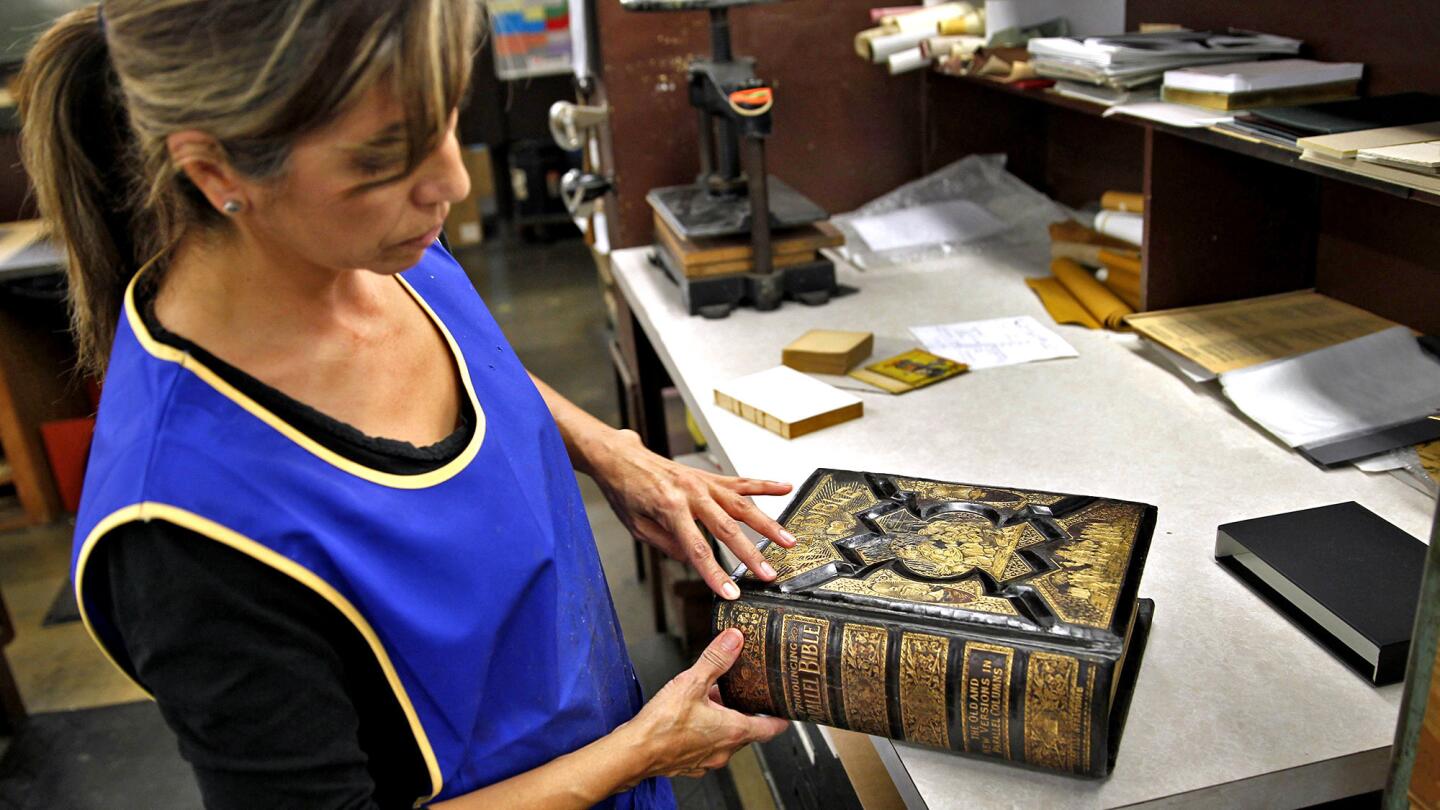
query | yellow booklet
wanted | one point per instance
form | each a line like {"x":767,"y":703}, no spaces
{"x":907,"y":371}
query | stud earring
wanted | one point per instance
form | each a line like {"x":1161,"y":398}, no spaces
{"x":233,"y":207}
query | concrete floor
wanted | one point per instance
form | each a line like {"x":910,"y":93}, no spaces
{"x":546,"y":298}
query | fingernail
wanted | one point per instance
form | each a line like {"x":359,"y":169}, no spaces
{"x":788,"y":536}
{"x":729,"y":591}
{"x":767,"y":570}
{"x":730,"y":641}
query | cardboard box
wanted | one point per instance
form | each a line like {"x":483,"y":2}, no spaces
{"x":465,"y":225}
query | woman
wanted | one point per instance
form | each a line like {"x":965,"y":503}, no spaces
{"x":329,"y":523}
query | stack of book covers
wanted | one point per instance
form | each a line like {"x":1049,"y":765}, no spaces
{"x":1286,"y":126}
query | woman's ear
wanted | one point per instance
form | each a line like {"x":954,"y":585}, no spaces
{"x":204,"y":162}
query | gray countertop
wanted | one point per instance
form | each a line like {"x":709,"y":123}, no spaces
{"x":1234,"y":705}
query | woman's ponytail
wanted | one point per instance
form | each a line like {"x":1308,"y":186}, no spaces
{"x":78,"y":149}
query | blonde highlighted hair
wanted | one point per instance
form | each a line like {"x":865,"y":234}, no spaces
{"x":100,"y":92}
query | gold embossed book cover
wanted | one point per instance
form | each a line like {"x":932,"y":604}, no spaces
{"x":983,"y":620}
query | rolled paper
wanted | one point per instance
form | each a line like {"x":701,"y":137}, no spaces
{"x":878,"y":14}
{"x":929,"y":18}
{"x":1079,"y":252}
{"x":1099,"y":301}
{"x":1072,"y":231}
{"x":883,"y":46}
{"x":1131,"y":296}
{"x":1122,"y":276}
{"x":1120,"y":262}
{"x":1122,"y":282}
{"x":1122,"y":225}
{"x":906,"y":61}
{"x":970,"y":23}
{"x":946,"y":46}
{"x":1061,"y":303}
{"x":1131,"y":201}
{"x":864,"y":38}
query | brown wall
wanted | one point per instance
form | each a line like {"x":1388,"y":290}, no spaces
{"x":845,"y":130}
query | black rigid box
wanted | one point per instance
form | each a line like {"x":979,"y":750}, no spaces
{"x":1348,"y":577}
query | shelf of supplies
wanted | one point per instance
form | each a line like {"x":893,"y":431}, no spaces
{"x":1206,"y":135}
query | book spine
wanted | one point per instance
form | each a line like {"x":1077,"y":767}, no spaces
{"x":1003,"y":700}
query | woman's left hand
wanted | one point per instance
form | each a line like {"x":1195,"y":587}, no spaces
{"x":659,"y":501}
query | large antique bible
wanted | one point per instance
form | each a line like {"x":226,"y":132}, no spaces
{"x":983,"y":620}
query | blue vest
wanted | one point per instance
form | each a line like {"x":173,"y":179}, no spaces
{"x":477,"y":586}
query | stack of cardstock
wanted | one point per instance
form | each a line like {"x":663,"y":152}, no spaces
{"x":1344,"y":145}
{"x":908,"y":371}
{"x":787,"y":402}
{"x":826,"y":351}
{"x":1406,"y":155}
{"x":1423,"y":158}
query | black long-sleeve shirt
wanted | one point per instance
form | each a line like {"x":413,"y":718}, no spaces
{"x":275,"y":697}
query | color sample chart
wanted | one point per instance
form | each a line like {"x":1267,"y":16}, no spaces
{"x":532,"y":37}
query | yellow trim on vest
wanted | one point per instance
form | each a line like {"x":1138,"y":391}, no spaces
{"x":397,"y":481}
{"x":150,"y":510}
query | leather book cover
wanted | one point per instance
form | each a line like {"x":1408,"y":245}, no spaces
{"x":983,"y":620}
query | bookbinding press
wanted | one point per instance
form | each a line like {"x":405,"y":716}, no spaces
{"x":734,"y":114}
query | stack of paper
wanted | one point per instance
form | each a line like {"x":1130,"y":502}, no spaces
{"x":1176,"y":115}
{"x":784,"y":401}
{"x":1104,"y":95}
{"x":1273,"y":74}
{"x":1272,"y":83}
{"x":1134,"y":60}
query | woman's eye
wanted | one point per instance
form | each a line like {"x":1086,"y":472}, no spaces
{"x":375,"y":167}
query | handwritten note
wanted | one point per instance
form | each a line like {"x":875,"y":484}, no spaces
{"x":994,"y":342}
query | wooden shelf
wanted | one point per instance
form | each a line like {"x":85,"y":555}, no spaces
{"x":1225,"y":218}
{"x":1206,"y":135}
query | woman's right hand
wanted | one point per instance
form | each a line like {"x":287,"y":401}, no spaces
{"x":685,"y":730}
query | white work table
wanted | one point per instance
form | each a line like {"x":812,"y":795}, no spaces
{"x":1234,"y":705}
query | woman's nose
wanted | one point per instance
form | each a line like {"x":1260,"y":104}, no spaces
{"x":443,"y":179}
